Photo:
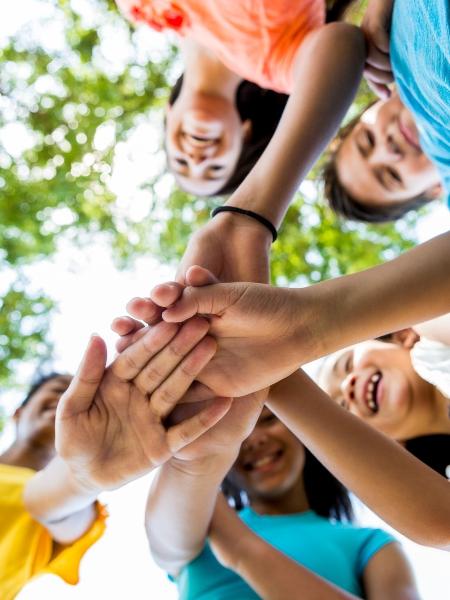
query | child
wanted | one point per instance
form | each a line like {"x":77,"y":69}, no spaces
{"x":401,"y":387}
{"x":107,"y":433}
{"x":420,"y":52}
{"x":283,"y":543}
{"x":218,"y":123}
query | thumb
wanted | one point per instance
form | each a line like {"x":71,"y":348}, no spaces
{"x":198,"y":276}
{"x":81,"y":391}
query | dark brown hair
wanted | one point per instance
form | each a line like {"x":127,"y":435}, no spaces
{"x":345,"y":205}
{"x":263,"y":108}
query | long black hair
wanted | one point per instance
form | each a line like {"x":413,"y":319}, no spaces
{"x":326,"y":495}
{"x":263,"y":108}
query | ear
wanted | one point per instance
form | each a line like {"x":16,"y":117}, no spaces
{"x":406,"y":338}
{"x":247,"y":130}
{"x":435,"y":191}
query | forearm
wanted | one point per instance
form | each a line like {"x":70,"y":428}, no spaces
{"x":179,"y":509}
{"x":55,"y":498}
{"x":272,"y":574}
{"x":410,"y":289}
{"x":379,"y":471}
{"x":328,"y":70}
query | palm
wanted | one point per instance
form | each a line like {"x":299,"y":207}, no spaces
{"x":119,"y":429}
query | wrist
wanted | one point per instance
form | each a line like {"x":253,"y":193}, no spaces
{"x":244,"y":225}
{"x":213,"y":465}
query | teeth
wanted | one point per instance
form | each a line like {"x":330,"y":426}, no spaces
{"x":375,"y":377}
{"x":371,"y":386}
{"x":262,"y":462}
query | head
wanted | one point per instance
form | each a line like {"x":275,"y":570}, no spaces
{"x":376,"y":381}
{"x":377,"y":171}
{"x":273,"y":464}
{"x":35,"y":417}
{"x":211,"y":143}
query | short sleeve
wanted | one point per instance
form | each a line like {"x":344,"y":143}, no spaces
{"x":67,"y":563}
{"x":374,"y":540}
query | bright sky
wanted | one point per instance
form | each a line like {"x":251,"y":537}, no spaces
{"x":90,"y":293}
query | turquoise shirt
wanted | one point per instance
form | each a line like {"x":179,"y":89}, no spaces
{"x":338,"y":552}
{"x":420,"y":57}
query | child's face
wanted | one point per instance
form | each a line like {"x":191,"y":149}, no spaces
{"x":376,"y":381}
{"x":36,"y":420}
{"x":381,"y":161}
{"x":271,"y":459}
{"x":204,"y":139}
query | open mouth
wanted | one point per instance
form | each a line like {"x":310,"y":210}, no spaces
{"x":263,"y":463}
{"x":372,"y":392}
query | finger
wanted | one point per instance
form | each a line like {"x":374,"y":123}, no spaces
{"x":126,"y":325}
{"x":198,"y":276}
{"x":127,"y":365}
{"x":188,"y":431}
{"x":378,"y":59}
{"x":124,"y":342}
{"x":206,"y":300}
{"x":378,"y":76}
{"x":79,"y":395}
{"x":197,"y":392}
{"x":161,"y":366}
{"x":166,"y":294}
{"x":167,"y":395}
{"x":144,"y":310}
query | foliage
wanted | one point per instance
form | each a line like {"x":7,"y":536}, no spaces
{"x":73,"y":105}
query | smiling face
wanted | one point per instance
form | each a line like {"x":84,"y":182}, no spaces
{"x":36,"y":420}
{"x":376,"y":382}
{"x":381,"y":161}
{"x":271,"y":460}
{"x":204,"y":139}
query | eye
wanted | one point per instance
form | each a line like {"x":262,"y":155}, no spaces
{"x":370,"y":139}
{"x":393,"y":174}
{"x":343,"y":403}
{"x":181,"y":162}
{"x":268,"y":420}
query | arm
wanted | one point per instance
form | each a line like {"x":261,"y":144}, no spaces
{"x":109,"y":423}
{"x":183,"y":495}
{"x":388,"y":479}
{"x":388,"y":576}
{"x":272,"y":574}
{"x":437,"y":329}
{"x":328,"y":71}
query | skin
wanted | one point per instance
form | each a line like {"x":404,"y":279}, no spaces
{"x":406,"y":405}
{"x":381,"y":161}
{"x":34,"y":445}
{"x":204,"y":132}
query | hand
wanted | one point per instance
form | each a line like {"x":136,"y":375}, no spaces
{"x":376,"y":26}
{"x":255,"y":329}
{"x":109,"y":423}
{"x":227,"y":534}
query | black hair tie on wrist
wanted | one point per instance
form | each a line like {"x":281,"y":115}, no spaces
{"x":248,"y":213}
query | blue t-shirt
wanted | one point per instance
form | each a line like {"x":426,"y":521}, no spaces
{"x":420,"y":57}
{"x":337,"y":552}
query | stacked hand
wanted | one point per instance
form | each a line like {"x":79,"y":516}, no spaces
{"x":109,"y":423}
{"x":254,"y":326}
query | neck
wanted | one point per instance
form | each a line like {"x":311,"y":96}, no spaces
{"x":28,"y":454}
{"x":205,"y":74}
{"x":293,"y":501}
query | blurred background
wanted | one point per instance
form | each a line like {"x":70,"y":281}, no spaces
{"x":89,"y":218}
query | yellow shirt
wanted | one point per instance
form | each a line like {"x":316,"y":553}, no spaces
{"x":26,"y":547}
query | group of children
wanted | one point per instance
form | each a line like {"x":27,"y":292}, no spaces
{"x":219,"y":403}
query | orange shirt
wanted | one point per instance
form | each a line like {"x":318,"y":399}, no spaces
{"x":257,"y":39}
{"x":26,"y":547}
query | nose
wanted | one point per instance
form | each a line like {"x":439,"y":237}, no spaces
{"x":386,"y":150}
{"x":257,"y":439}
{"x":348,"y":387}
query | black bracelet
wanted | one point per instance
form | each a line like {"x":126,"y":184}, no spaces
{"x":248,"y":213}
